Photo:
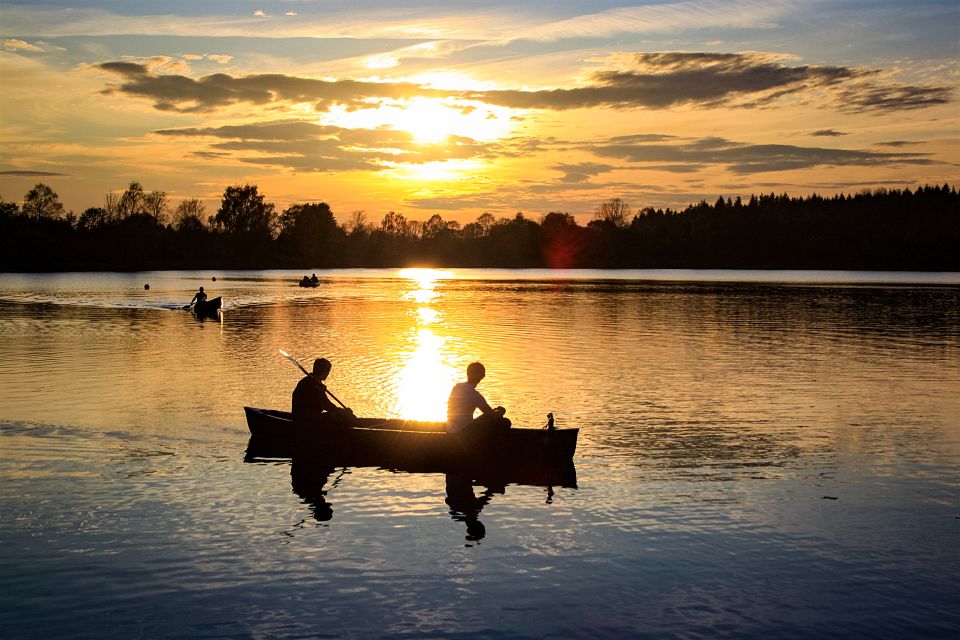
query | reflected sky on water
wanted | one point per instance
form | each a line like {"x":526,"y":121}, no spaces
{"x":772,"y":455}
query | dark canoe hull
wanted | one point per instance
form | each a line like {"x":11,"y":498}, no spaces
{"x":416,"y":447}
{"x":309,"y":284}
{"x":207,"y":308}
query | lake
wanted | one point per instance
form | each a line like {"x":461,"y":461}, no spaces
{"x":761,"y":455}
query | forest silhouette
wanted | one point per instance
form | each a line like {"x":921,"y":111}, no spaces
{"x":137,"y":230}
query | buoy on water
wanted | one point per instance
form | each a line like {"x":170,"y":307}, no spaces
{"x":146,"y":287}
{"x":214,"y":278}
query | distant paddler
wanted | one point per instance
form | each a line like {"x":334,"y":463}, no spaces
{"x":198,"y":298}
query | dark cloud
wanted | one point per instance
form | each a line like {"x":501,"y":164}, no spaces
{"x":171,"y":92}
{"x":828,"y":133}
{"x":746,"y":80}
{"x":651,"y":80}
{"x":30,"y":174}
{"x":581,"y":172}
{"x":660,"y":80}
{"x":680,"y":155}
{"x":304,"y":146}
{"x":898,"y":143}
{"x":876,"y":97}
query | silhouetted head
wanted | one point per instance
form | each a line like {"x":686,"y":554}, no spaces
{"x":475,"y":530}
{"x":321,"y":368}
{"x":201,"y":288}
{"x":475,"y":372}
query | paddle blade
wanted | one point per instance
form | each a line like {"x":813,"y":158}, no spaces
{"x":293,"y":360}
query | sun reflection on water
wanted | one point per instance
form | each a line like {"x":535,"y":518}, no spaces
{"x":427,"y":374}
{"x":425,"y":379}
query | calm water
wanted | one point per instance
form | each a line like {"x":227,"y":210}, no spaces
{"x":760,"y":456}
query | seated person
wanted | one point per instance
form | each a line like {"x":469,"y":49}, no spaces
{"x":310,"y":400}
{"x":314,"y":279}
{"x":465,"y":399}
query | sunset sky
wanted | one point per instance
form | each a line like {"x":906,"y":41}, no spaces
{"x":460,"y":108}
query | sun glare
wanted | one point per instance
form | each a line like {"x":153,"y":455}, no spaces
{"x":424,"y":277}
{"x":425,"y":290}
{"x":425,"y":380}
{"x":430,"y":121}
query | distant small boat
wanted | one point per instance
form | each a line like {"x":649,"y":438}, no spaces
{"x":406,"y":444}
{"x":309,"y":283}
{"x":207,"y":308}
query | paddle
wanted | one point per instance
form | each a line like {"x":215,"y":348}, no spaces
{"x":310,"y":375}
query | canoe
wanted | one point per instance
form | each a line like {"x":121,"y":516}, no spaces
{"x":405,"y":444}
{"x":207,"y":308}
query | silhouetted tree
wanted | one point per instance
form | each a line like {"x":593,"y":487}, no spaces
{"x":190,"y":215}
{"x":92,"y":218}
{"x":8,"y":209}
{"x":42,"y":202}
{"x":357,"y":223}
{"x":155,"y":204}
{"x":881,"y":229}
{"x":394,"y":224}
{"x":614,"y":211}
{"x":563,"y":240}
{"x":132,"y":201}
{"x":243,"y":211}
{"x":513,"y":243}
{"x":479,"y":228}
{"x":310,"y":236}
{"x":433,"y":227}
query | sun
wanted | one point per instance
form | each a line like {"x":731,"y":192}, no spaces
{"x":430,"y":121}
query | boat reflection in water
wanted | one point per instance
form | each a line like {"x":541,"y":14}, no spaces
{"x":311,"y":481}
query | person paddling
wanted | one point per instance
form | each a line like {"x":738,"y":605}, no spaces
{"x":198,"y":298}
{"x":311,"y":400}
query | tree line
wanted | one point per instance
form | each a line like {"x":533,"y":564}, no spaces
{"x":137,"y":230}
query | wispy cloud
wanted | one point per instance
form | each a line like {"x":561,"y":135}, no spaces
{"x":664,"y":17}
{"x":15,"y":44}
{"x":582,"y":171}
{"x":31,"y":174}
{"x":489,"y":24}
{"x":305,"y":146}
